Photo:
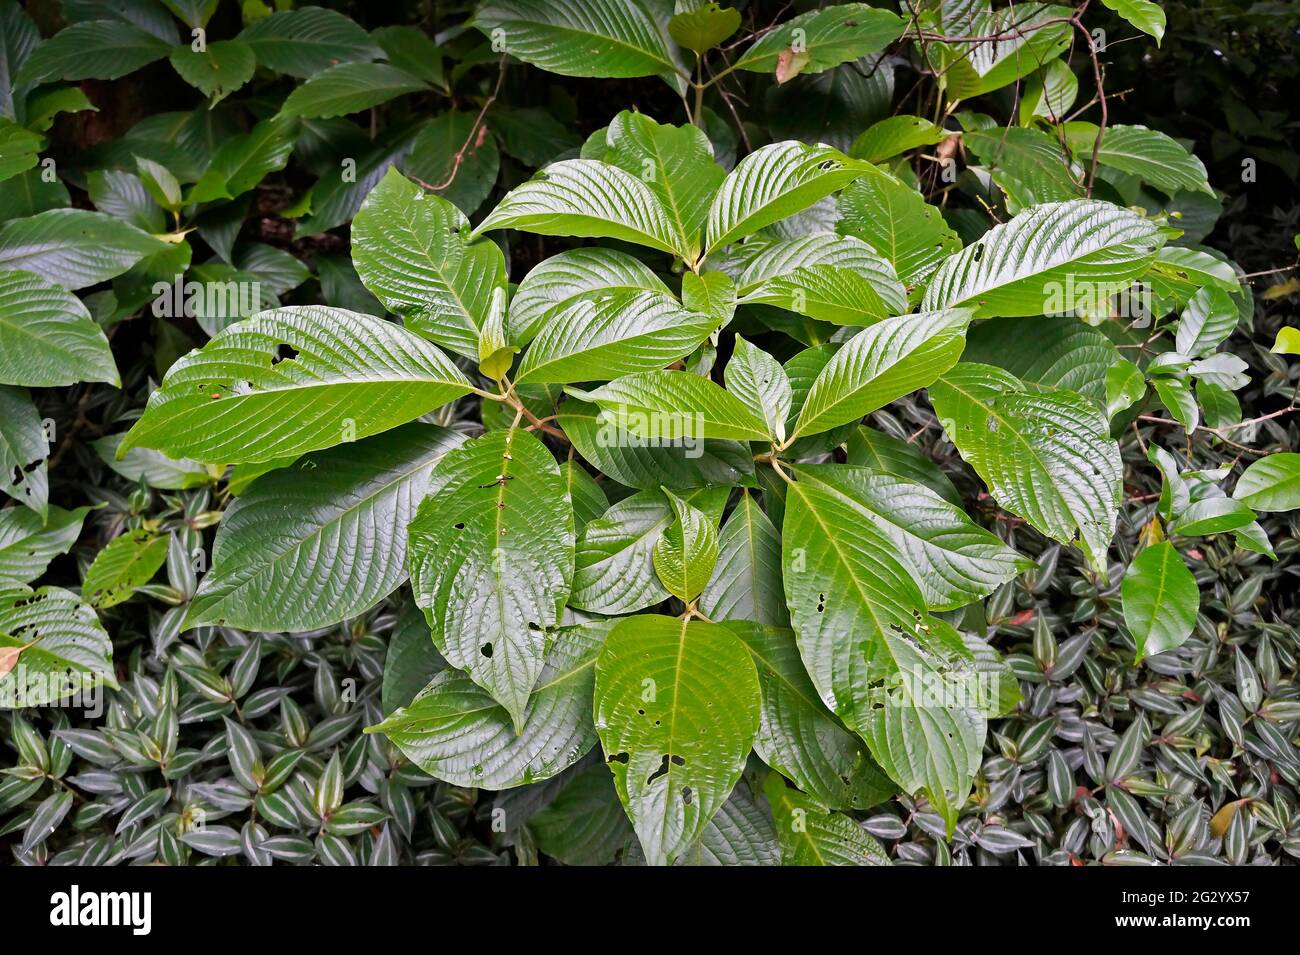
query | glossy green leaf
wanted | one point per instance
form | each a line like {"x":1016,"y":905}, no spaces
{"x":826,"y":37}
{"x":685,"y":555}
{"x":491,"y":559}
{"x":812,"y":834}
{"x":675,"y":753}
{"x":308,"y":41}
{"x":66,"y":648}
{"x":28,"y":541}
{"x":1271,"y":483}
{"x":71,"y":247}
{"x":24,"y":448}
{"x":129,"y":561}
{"x":222,"y":68}
{"x":674,"y":405}
{"x":1160,"y":600}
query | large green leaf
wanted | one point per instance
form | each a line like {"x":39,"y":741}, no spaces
{"x":675,"y":162}
{"x":555,"y":284}
{"x":458,"y":733}
{"x":1049,"y":258}
{"x":776,"y":181}
{"x":410,"y":250}
{"x":1025,"y":42}
{"x":612,"y":334}
{"x":647,"y":463}
{"x":491,"y":558}
{"x":350,"y":88}
{"x":411,"y":661}
{"x":241,"y":399}
{"x":798,"y":736}
{"x":884,"y":362}
{"x":1027,"y":164}
{"x":675,"y":405}
{"x":1160,"y":600}
{"x":889,"y":455}
{"x":675,"y":752}
{"x":307,"y":42}
{"x":1046,"y":456}
{"x":24,"y":448}
{"x":1062,"y":352}
{"x":811,"y":834}
{"x":758,"y":380}
{"x":827,"y":38}
{"x":582,"y":37}
{"x":1148,"y":154}
{"x":894,"y":220}
{"x":29,"y":541}
{"x":96,"y":49}
{"x":614,"y":563}
{"x":871,"y":649}
{"x":1146,"y":15}
{"x":47,"y":337}
{"x":585,"y":197}
{"x":955,"y":561}
{"x":584,"y":824}
{"x":72,"y":247}
{"x":746,"y":581}
{"x":322,"y":540}
{"x":66,"y":647}
{"x":834,"y":278}
{"x":1272,"y":483}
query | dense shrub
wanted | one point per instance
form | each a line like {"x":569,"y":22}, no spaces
{"x":596,"y":430}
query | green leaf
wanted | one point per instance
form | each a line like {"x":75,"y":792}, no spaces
{"x":242,"y":399}
{"x":242,"y":162}
{"x":584,"y":824}
{"x":673,"y":405}
{"x":322,"y":540}
{"x":646,"y":463}
{"x":154,"y":468}
{"x":72,"y":247}
{"x":24,"y":447}
{"x":614,"y":564}
{"x":835,"y":278}
{"x":1143,"y":14}
{"x":585,"y":197}
{"x":410,"y":250}
{"x":1061,"y":353}
{"x":1026,"y":44}
{"x":1272,"y":483}
{"x":96,"y":49}
{"x":774,"y":182}
{"x":1210,"y":317}
{"x":309,"y":41}
{"x":71,"y":650}
{"x":1047,"y":259}
{"x":685,"y":555}
{"x":1287,"y":342}
{"x":894,"y":136}
{"x":1047,"y":457}
{"x":1160,"y":600}
{"x":1213,"y":515}
{"x":746,"y":581}
{"x":350,"y":88}
{"x":409,"y":48}
{"x":741,"y":834}
{"x":758,"y":380}
{"x":1146,"y":153}
{"x":894,"y":220}
{"x":610,"y":335}
{"x":870,"y":647}
{"x":712,"y":293}
{"x":704,"y":28}
{"x":129,"y":561}
{"x":491,"y":558}
{"x":884,"y":362}
{"x":219,"y":70}
{"x":827,"y":38}
{"x":1125,"y":386}
{"x":1179,"y":273}
{"x":19,"y":149}
{"x":18,"y":38}
{"x":798,"y":736}
{"x":411,"y":661}
{"x":810,"y":834}
{"x":658,"y":683}
{"x":889,"y":455}
{"x":581,"y":37}
{"x":28,"y":541}
{"x":458,"y":733}
{"x":556,"y":284}
{"x":1027,"y":164}
{"x":675,"y":163}
{"x":955,"y":561}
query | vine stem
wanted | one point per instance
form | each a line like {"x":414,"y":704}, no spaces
{"x":459,"y":158}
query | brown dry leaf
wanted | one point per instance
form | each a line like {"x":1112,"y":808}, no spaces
{"x":790,"y":64}
{"x":9,"y":657}
{"x":1223,"y":818}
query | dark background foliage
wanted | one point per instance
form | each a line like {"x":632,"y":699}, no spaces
{"x":260,"y":734}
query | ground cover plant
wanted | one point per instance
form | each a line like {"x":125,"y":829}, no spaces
{"x":619,"y":431}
